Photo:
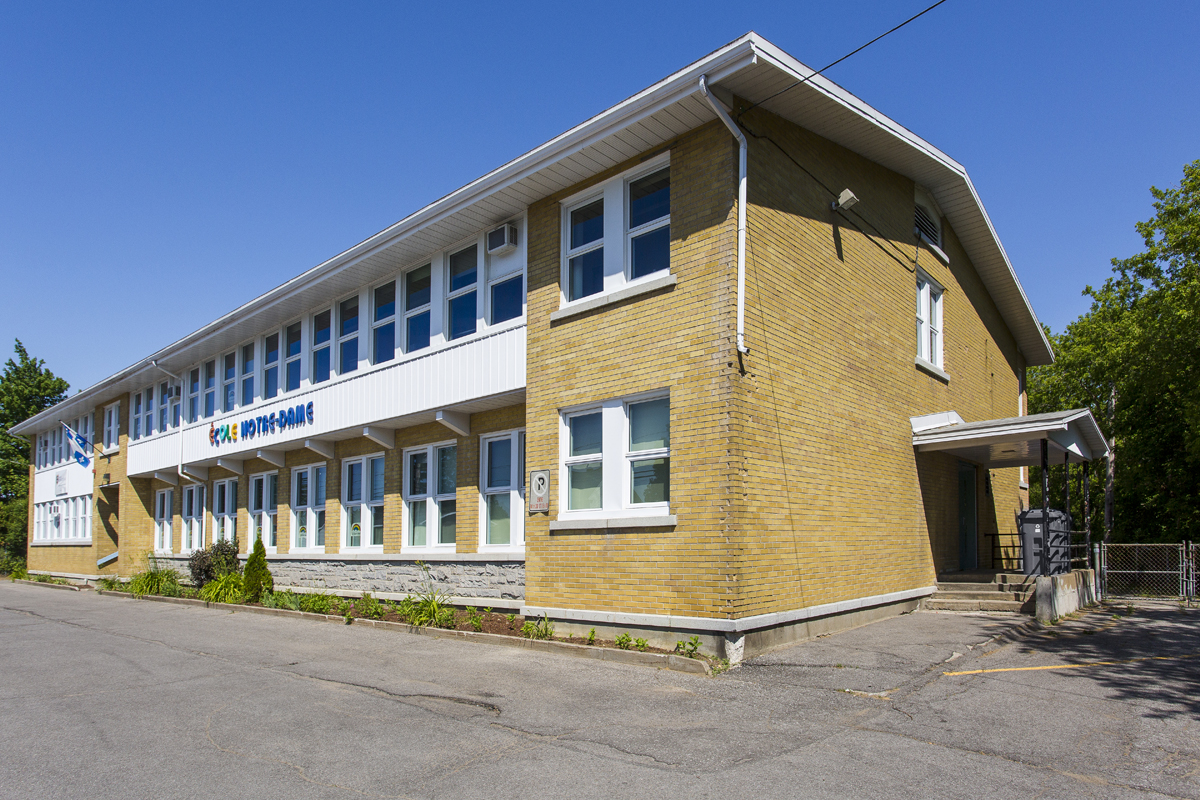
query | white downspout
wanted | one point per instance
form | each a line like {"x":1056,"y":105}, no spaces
{"x":179,"y":468}
{"x":741,"y":232}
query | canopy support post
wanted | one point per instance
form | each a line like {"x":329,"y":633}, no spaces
{"x":1045,"y":565}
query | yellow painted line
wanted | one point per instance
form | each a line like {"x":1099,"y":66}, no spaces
{"x":1073,"y":666}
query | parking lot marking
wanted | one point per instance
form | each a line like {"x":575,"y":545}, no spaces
{"x":1073,"y":666}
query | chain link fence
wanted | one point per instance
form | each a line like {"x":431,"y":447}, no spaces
{"x":1164,"y":571}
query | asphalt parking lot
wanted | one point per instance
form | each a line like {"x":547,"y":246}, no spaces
{"x":106,"y":697}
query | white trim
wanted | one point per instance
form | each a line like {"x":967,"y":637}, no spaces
{"x":599,"y":523}
{"x":932,"y":369}
{"x":515,"y":489}
{"x":365,"y":505}
{"x":643,"y":286}
{"x":741,"y":625}
{"x":510,"y":554}
{"x":310,"y":509}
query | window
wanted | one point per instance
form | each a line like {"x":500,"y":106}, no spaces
{"x":463,"y":271}
{"x":165,"y":393}
{"x":292,"y":357}
{"x":348,"y":336}
{"x":929,"y":320}
{"x":210,"y":389}
{"x":135,"y":428}
{"x":270,"y":366}
{"x":416,"y":308}
{"x":383,"y":325}
{"x":927,"y":225}
{"x":636,"y":207}
{"x":322,"y":329}
{"x":67,"y":520}
{"x":503,"y":484}
{"x":193,"y":518}
{"x":308,"y":508}
{"x":225,"y":510}
{"x":112,"y":422}
{"x":229,"y":382}
{"x":430,"y":484}
{"x":163,"y":506}
{"x":263,"y":509}
{"x":148,"y":412}
{"x":362,"y":502}
{"x":616,"y":458}
{"x":193,"y":402}
{"x":248,"y":374}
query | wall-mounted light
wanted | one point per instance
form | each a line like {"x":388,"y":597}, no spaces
{"x":845,"y":200}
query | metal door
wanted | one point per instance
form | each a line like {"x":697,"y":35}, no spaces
{"x":968,"y":548}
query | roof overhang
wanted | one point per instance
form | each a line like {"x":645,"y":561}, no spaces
{"x":749,"y":67}
{"x":1073,"y":436}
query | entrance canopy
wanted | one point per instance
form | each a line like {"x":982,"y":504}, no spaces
{"x":1012,"y":442}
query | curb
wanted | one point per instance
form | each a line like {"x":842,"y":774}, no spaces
{"x":693,"y":666}
{"x":66,"y":586}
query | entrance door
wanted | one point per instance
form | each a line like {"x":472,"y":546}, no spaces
{"x":968,"y":552}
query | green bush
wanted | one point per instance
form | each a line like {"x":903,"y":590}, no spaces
{"x":540,"y":629}
{"x":689,"y":648}
{"x":474,"y":618}
{"x":368,"y":607}
{"x":162,"y":581}
{"x":12,"y":566}
{"x":111,"y":583}
{"x":289,"y":600}
{"x":641,"y":644}
{"x":213,"y":562}
{"x":431,"y":605}
{"x":226,"y":589}
{"x":18,"y":573}
{"x":624,"y":640}
{"x":317,"y":603}
{"x":257,"y":578}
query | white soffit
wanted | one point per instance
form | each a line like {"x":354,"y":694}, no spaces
{"x":1016,"y":441}
{"x":750,"y":66}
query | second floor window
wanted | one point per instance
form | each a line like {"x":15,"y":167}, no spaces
{"x":210,"y":388}
{"x":929,"y":320}
{"x":270,"y":366}
{"x":292,"y":364}
{"x":463,"y":272}
{"x":348,"y":336}
{"x":416,"y":308}
{"x":383,"y":330}
{"x":321,"y":344}
{"x":247,"y":374}
{"x":229,"y":381}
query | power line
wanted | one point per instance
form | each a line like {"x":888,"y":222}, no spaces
{"x":840,"y":60}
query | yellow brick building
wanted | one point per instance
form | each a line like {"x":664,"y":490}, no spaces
{"x":596,"y":384}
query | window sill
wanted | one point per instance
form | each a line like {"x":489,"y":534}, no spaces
{"x":507,"y":554}
{"x":932,"y":369}
{"x":64,"y":543}
{"x":604,"y":523}
{"x":601,"y":300}
{"x":937,"y":251}
{"x":1022,"y":485}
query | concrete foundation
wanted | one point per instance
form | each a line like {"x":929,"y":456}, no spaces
{"x":1059,"y":595}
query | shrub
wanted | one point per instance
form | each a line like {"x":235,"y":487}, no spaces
{"x":641,"y":644}
{"x":689,"y":647}
{"x":540,"y":629}
{"x":624,"y":640}
{"x":226,"y":589}
{"x":317,"y":603}
{"x":13,"y":566}
{"x":213,"y":562}
{"x":591,"y":637}
{"x":431,"y":605}
{"x":111,"y":583}
{"x":405,"y":608}
{"x":257,"y":578}
{"x":162,"y":581}
{"x":289,"y":600}
{"x":369,"y":607}
{"x":474,"y":618}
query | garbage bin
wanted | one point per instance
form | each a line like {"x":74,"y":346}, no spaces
{"x":1057,"y":551}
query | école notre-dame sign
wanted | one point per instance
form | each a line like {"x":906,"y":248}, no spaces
{"x":265,"y":424}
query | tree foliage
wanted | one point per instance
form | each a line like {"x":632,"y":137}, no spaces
{"x":257,"y":577}
{"x":26,"y":388}
{"x":1134,"y":359}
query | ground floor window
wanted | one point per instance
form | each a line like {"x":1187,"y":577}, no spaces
{"x":163,"y":506}
{"x":67,"y":521}
{"x":502,"y":479}
{"x":616,"y":458}
{"x":264,"y":491}
{"x":308,"y":507}
{"x":225,"y":510}
{"x":362,"y":502}
{"x":193,"y":518}
{"x":430,"y":485}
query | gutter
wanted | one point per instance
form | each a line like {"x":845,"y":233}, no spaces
{"x":741,"y":232}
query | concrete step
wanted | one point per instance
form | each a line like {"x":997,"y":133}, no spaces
{"x":935,"y":604}
{"x":956,"y":594}
{"x":985,"y":576}
{"x":983,"y":587}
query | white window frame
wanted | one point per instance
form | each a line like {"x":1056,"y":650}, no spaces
{"x":193,"y":394}
{"x":135,"y":417}
{"x":376,"y":324}
{"x":112,"y":427}
{"x":425,"y":308}
{"x":265,"y":367}
{"x":930,"y":315}
{"x":515,"y":490}
{"x":287,"y":359}
{"x":367,"y":508}
{"x":450,"y":296}
{"x":616,"y":458}
{"x":264,"y":515}
{"x":431,"y":499}
{"x":309,"y":515}
{"x":339,"y":339}
{"x":209,"y":386}
{"x":164,"y":514}
{"x":617,"y":237}
{"x":166,"y":393}
{"x":225,"y":519}
{"x":192,"y":535}
{"x":250,"y":374}
{"x":228,"y":384}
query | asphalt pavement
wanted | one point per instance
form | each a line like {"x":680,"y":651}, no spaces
{"x":107,"y":697}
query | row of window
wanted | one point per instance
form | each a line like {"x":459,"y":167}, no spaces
{"x":430,"y":483}
{"x":54,"y":447}
{"x":66,"y":520}
{"x":374,"y":327}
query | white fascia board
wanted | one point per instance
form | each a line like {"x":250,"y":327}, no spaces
{"x":721,"y":63}
{"x":952,"y":435}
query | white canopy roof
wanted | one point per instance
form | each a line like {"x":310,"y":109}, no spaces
{"x":1015,"y":441}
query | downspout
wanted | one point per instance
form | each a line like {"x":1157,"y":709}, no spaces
{"x":179,"y":468}
{"x":741,"y":232}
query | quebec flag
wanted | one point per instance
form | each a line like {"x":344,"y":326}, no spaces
{"x":80,"y":447}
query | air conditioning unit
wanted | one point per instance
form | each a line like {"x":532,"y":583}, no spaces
{"x":502,"y":240}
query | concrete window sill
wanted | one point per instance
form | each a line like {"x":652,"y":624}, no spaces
{"x":601,"y":300}
{"x":609,"y":523}
{"x":932,"y":369}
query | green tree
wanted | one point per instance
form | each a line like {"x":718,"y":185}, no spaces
{"x":1134,"y":358}
{"x":26,"y":388}
{"x":256,"y":578}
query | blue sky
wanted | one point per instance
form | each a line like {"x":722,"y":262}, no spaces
{"x":162,"y":163}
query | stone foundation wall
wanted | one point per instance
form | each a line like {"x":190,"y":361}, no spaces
{"x":502,"y":580}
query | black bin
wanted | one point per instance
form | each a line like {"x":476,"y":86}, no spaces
{"x":1058,"y":549}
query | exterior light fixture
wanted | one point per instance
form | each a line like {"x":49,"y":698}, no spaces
{"x":845,"y":200}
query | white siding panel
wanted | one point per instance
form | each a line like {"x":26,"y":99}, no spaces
{"x":79,"y":482}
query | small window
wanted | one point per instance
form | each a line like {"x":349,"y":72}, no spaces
{"x":348,"y":336}
{"x":112,"y":422}
{"x":503,"y":487}
{"x":416,"y":308}
{"x":210,"y":389}
{"x":264,"y":490}
{"x":322,"y":333}
{"x":148,"y":412}
{"x":508,"y":299}
{"x":270,"y":366}
{"x":135,"y":429}
{"x":229,"y":382}
{"x":248,"y":374}
{"x":193,"y":402}
{"x":193,"y":518}
{"x":225,"y":509}
{"x":292,"y":357}
{"x":163,"y":508}
{"x":463,"y":269}
{"x":383,"y":330}
{"x":585,"y":257}
{"x":165,"y":392}
{"x":929,"y":321}
{"x":650,"y":224}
